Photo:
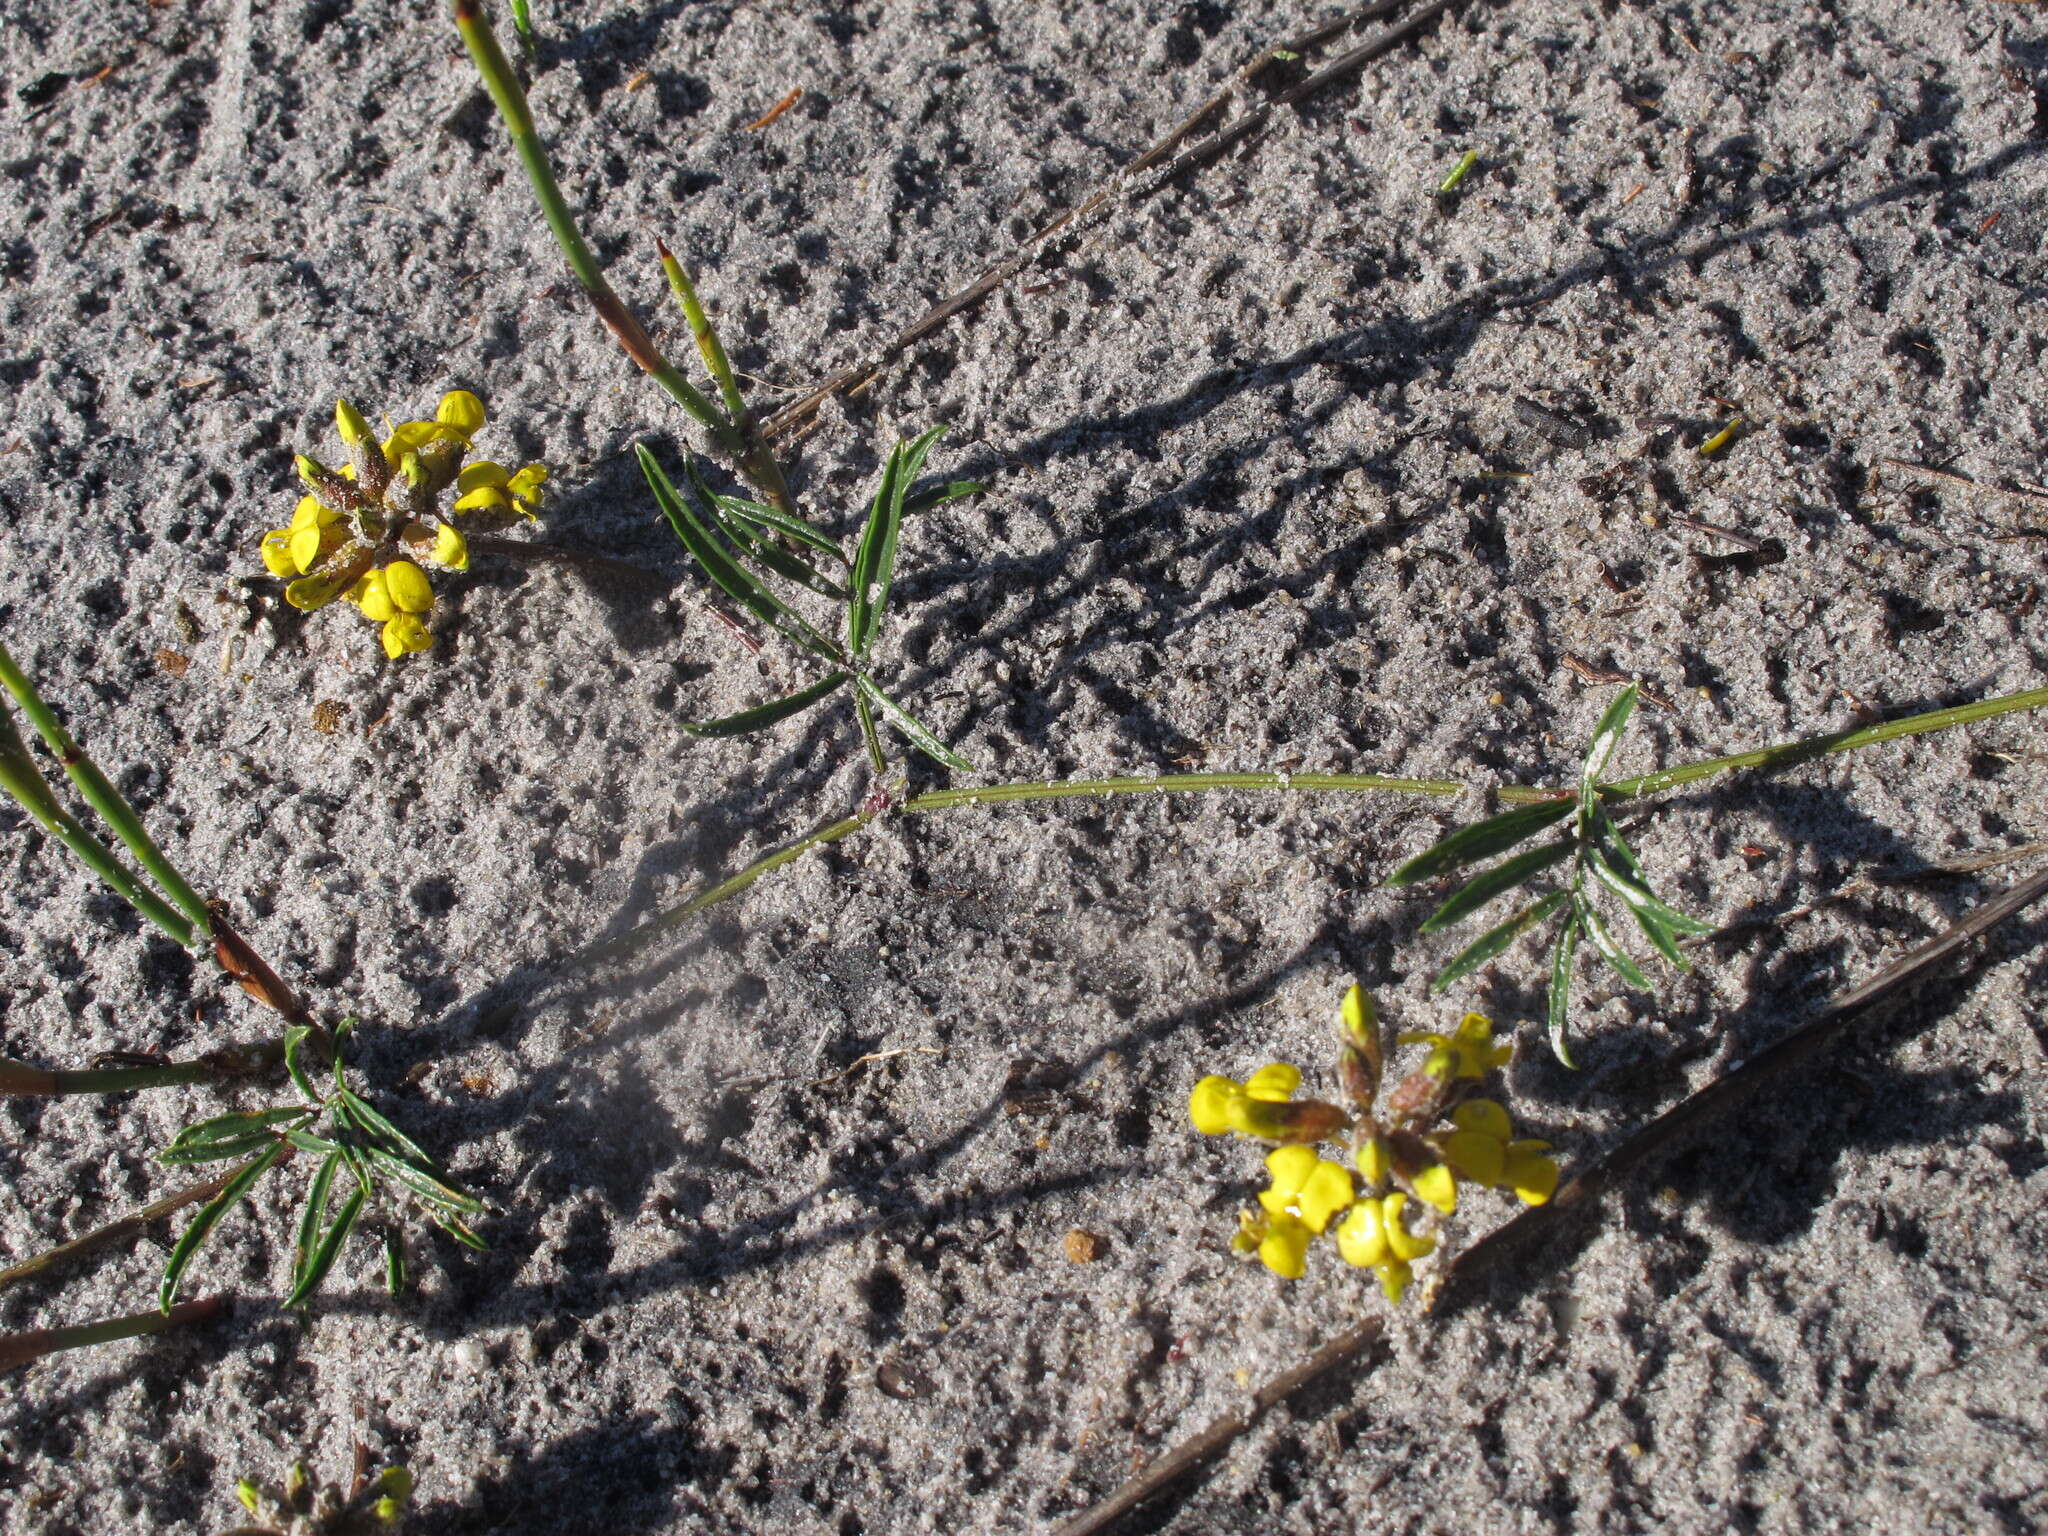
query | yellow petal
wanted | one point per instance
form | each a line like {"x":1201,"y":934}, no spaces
{"x":277,"y":553}
{"x":309,"y":513}
{"x":1438,"y":1186}
{"x":1285,"y":1249}
{"x":1290,"y":1168}
{"x":1475,"y":1154}
{"x":462,"y":411}
{"x":483,"y":496}
{"x":410,"y":590}
{"x":482,"y":472}
{"x":410,"y":437}
{"x":525,"y":486}
{"x":306,"y":546}
{"x":1325,"y":1192}
{"x":450,"y":549}
{"x":405,"y":633}
{"x":1209,"y":1105}
{"x":374,"y":598}
{"x":1361,"y":1237}
{"x":1531,"y":1175}
{"x":1405,"y":1245}
{"x":1484,"y":1116}
{"x":1273,"y":1083}
{"x":310,"y":592}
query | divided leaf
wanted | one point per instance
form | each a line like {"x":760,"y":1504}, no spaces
{"x":209,"y":1217}
{"x":1495,"y":940}
{"x":1505,"y":876}
{"x":916,"y":730}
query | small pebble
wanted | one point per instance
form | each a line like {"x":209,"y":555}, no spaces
{"x":1084,"y":1247}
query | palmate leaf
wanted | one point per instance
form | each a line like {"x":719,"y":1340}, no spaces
{"x":202,"y":1226}
{"x":1600,"y":752}
{"x":874,"y":562}
{"x":777,"y":521}
{"x":1481,"y":840}
{"x":420,"y":1183}
{"x":1660,"y":924}
{"x":761,"y":716}
{"x":1504,"y":876}
{"x":731,"y":577}
{"x":1495,"y":940}
{"x":918,"y":733}
{"x":1560,"y":1001}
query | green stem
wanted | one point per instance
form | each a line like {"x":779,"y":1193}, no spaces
{"x":18,"y":1349}
{"x":102,"y":796}
{"x":18,"y":1077}
{"x":510,"y":99}
{"x":1788,"y":754}
{"x":877,"y":761}
{"x":953,"y":799}
{"x":20,"y":777}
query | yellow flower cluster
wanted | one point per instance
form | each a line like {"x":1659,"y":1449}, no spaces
{"x":1408,"y":1153}
{"x":360,"y":531}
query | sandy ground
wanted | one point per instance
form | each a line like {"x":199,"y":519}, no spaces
{"x":1238,"y":438}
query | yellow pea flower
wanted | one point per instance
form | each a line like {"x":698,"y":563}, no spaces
{"x":1260,"y":1107}
{"x":404,"y":633}
{"x":485,"y":486}
{"x":461,"y":411}
{"x":1468,"y":1052}
{"x":1375,"y":1236}
{"x":374,"y":598}
{"x":1284,"y":1248}
{"x":410,"y":591}
{"x":1307,"y":1187}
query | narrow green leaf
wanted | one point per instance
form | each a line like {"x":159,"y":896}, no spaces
{"x":1481,"y":840}
{"x":704,"y":548}
{"x":1665,"y":922}
{"x":1505,"y":876}
{"x":1611,"y":843}
{"x":222,"y":1130}
{"x":1589,"y":918}
{"x":920,"y":735}
{"x":1600,"y":752}
{"x":955,"y":490}
{"x":766,"y":550}
{"x":394,"y":1260}
{"x":379,"y":1127}
{"x":1560,"y":1002}
{"x":458,"y":1231}
{"x":1495,"y":940}
{"x":420,"y":1182}
{"x":215,"y":1151}
{"x":294,"y":1051}
{"x":329,"y":1248}
{"x":306,"y":1141}
{"x":761,"y":716}
{"x":209,"y":1217}
{"x":777,"y":521}
{"x":874,"y":562}
{"x":310,"y":1219}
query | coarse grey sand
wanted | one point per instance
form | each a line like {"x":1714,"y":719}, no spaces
{"x":779,"y":1206}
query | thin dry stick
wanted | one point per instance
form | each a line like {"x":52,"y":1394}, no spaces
{"x":1123,"y":185}
{"x":1655,"y":1140}
{"x":1213,"y":1441}
{"x":18,"y":1349}
{"x":116,"y":1232}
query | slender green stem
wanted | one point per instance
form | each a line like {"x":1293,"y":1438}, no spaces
{"x":953,"y":799}
{"x":23,"y":780}
{"x":102,"y":796}
{"x":1790,"y":753}
{"x":18,"y":1077}
{"x":510,"y":99}
{"x":18,"y":1349}
{"x":1175,"y":784}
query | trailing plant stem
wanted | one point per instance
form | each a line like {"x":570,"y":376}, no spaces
{"x":1789,"y":754}
{"x":22,"y":1348}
